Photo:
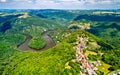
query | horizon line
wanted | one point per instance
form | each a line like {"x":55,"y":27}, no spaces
{"x":51,"y":9}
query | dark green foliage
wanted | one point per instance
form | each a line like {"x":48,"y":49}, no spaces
{"x":59,"y":35}
{"x":67,"y":71}
{"x":112,"y":57}
{"x":92,"y":57}
{"x":5,"y":26}
{"x":101,"y":73}
{"x":72,"y":39}
{"x":74,"y":27}
{"x":75,"y":67}
{"x":108,"y":31}
{"x":41,"y":16}
{"x":105,"y":46}
{"x":37,"y":43}
{"x":6,"y":52}
{"x":114,"y":25}
{"x":61,"y":16}
{"x":111,"y":68}
{"x":103,"y":27}
{"x":8,"y":17}
{"x":99,"y":17}
{"x":13,"y":39}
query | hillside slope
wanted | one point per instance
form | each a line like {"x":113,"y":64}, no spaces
{"x":51,"y":61}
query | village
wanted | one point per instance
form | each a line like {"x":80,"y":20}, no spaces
{"x":87,"y":68}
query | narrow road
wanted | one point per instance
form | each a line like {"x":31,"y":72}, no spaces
{"x":80,"y":57}
{"x":49,"y":43}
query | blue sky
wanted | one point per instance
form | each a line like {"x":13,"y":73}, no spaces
{"x":59,"y":4}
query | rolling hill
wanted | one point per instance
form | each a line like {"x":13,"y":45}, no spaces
{"x":64,"y":27}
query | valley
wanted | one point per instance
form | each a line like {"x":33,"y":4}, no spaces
{"x":59,"y":42}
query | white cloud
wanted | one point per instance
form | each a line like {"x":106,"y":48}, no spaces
{"x":61,"y":4}
{"x":104,"y":2}
{"x":2,"y":0}
{"x":45,"y":3}
{"x":22,"y":1}
{"x":98,"y":1}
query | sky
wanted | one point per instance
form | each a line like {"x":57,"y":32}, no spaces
{"x":59,"y":4}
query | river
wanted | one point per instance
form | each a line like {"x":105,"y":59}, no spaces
{"x":49,"y":43}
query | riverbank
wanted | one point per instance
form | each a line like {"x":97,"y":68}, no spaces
{"x":49,"y":43}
